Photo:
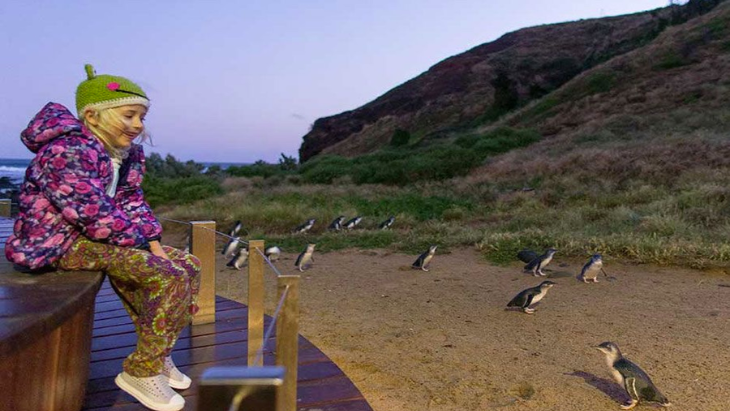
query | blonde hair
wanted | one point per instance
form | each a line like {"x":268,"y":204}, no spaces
{"x":110,"y":123}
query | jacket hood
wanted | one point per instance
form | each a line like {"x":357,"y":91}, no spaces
{"x":54,"y":120}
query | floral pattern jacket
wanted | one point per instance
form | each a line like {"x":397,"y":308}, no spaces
{"x":64,"y":193}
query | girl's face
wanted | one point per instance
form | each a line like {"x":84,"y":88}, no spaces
{"x":129,"y":125}
{"x":118,"y":126}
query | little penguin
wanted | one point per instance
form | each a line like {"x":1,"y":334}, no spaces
{"x":353,"y":223}
{"x":387,"y":223}
{"x":424,"y":260}
{"x":304,"y":227}
{"x":530,"y":296}
{"x":239,"y":259}
{"x":230,"y":248}
{"x":305,"y":258}
{"x":236,"y":228}
{"x":336,"y":224}
{"x":536,"y":265}
{"x":526,"y":256}
{"x":272,"y":253}
{"x":634,"y":380}
{"x":591,"y":269}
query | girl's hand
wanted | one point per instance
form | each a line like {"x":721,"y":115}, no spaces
{"x":156,"y":249}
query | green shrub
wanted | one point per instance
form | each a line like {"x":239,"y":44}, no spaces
{"x":322,"y":170}
{"x":400,"y":138}
{"x":161,"y":191}
{"x":504,"y":139}
{"x":259,"y":168}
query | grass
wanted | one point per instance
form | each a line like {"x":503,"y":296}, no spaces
{"x":636,"y":167}
{"x":668,"y":203}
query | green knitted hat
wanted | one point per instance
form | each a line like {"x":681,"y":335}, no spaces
{"x":105,"y":91}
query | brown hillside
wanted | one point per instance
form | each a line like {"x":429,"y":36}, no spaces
{"x":653,"y":113}
{"x":485,"y":82}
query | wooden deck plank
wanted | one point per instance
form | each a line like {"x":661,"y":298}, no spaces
{"x":321,"y":383}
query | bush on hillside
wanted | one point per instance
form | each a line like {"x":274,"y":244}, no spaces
{"x":400,"y":138}
{"x":404,"y":166}
{"x":499,"y":140}
{"x":324,"y":169}
{"x":286,"y":165}
{"x":170,"y":181}
{"x":162,"y":191}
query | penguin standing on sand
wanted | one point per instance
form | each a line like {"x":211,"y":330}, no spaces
{"x":634,"y":380}
{"x":236,"y":228}
{"x":272,"y":253}
{"x":304,"y":227}
{"x":424,"y":260}
{"x":305,"y":258}
{"x":536,"y":265}
{"x":336,"y":224}
{"x":591,"y":269}
{"x":230,"y":248}
{"x":387,"y":223}
{"x":530,"y":296}
{"x":352,"y":223}
{"x":526,"y":256}
{"x":239,"y":259}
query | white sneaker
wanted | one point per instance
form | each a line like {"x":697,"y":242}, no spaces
{"x":175,"y":378}
{"x":153,"y":392}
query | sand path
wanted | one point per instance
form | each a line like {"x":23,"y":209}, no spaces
{"x":441,"y":340}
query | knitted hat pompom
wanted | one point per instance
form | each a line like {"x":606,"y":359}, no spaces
{"x":105,"y":91}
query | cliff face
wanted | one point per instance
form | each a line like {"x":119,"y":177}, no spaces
{"x":481,"y":85}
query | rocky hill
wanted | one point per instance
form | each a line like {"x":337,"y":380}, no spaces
{"x":552,"y":77}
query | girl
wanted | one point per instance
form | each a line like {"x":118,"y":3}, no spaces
{"x":82,"y":208}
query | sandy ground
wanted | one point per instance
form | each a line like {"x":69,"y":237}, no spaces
{"x":442,"y":340}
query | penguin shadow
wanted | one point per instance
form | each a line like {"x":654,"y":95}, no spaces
{"x":558,"y":274}
{"x":606,"y":386}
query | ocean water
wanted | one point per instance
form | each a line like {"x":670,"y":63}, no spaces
{"x":14,"y":169}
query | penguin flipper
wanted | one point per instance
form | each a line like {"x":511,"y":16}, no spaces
{"x":518,"y":300}
{"x":528,"y":302}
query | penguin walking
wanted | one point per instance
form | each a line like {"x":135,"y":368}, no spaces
{"x":239,"y":259}
{"x":536,"y":265}
{"x":236,"y":228}
{"x":336,"y":224}
{"x":352,"y":223}
{"x":526,"y":256}
{"x":230,"y":248}
{"x":634,"y":380}
{"x":304,"y":227}
{"x":424,"y":260}
{"x":272,"y":253}
{"x":387,"y":223}
{"x":591,"y":269}
{"x":530,"y":296}
{"x":305,"y":258}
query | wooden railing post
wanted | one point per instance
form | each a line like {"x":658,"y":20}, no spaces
{"x":255,"y":301}
{"x":287,"y":341}
{"x":202,"y":245}
{"x":5,"y":208}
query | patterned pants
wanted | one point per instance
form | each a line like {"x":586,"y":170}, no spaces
{"x":159,"y":295}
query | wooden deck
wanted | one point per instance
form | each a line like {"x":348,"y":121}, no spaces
{"x":322,"y":385}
